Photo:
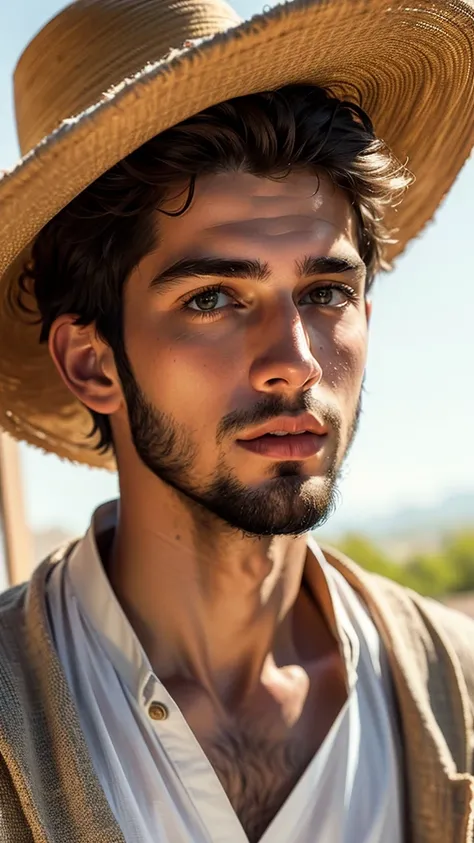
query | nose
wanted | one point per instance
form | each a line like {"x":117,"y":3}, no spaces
{"x":286,"y":362}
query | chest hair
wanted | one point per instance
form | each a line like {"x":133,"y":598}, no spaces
{"x":257,"y":775}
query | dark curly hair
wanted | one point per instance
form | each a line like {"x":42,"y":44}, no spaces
{"x":82,"y":258}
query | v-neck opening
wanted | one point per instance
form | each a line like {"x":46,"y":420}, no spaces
{"x":196,"y":767}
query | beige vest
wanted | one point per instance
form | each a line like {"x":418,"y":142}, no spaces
{"x":49,"y":792}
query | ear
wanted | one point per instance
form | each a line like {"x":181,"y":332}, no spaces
{"x":86,"y":364}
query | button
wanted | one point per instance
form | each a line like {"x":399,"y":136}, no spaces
{"x":157,"y":711}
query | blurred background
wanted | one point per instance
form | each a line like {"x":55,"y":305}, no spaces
{"x":407,"y":499}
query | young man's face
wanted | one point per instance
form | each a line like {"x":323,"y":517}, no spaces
{"x":276,"y":335}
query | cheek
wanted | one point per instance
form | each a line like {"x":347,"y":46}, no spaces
{"x":180,"y":371}
{"x":346,"y":356}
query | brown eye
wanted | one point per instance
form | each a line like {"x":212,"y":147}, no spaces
{"x":333,"y":296}
{"x":322,"y":295}
{"x":206,"y":301}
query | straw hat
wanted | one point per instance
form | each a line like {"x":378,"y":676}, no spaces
{"x":104,"y":76}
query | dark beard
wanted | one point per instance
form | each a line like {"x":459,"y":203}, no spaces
{"x":286,"y":504}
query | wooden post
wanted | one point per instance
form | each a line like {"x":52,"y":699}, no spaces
{"x":17,"y":536}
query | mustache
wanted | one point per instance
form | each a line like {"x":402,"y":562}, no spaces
{"x":273,"y":406}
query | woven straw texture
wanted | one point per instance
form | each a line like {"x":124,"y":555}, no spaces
{"x":105,"y":76}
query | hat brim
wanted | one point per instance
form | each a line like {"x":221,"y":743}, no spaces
{"x":410,"y":68}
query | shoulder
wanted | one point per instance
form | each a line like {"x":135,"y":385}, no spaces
{"x":26,"y":660}
{"x":424,"y":627}
{"x":456,"y":631}
{"x":12,"y":608}
{"x":22,"y":613}
{"x":447,"y":626}
{"x":14,"y":673}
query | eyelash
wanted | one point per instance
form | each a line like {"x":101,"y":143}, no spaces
{"x":220,"y":288}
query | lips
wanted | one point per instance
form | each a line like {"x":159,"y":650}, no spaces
{"x":293,"y":446}
{"x":292,"y":425}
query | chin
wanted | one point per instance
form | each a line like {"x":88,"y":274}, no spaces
{"x":288,"y":505}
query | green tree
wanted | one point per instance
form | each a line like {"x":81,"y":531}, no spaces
{"x":458,"y":550}
{"x":429,"y":574}
{"x":368,"y":555}
{"x":434,"y":574}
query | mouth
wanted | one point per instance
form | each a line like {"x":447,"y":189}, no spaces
{"x":285,"y":446}
{"x":287,"y":438}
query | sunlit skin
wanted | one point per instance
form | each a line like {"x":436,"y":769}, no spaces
{"x":220,"y":612}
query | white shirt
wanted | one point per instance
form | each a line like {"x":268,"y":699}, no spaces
{"x":158,"y":781}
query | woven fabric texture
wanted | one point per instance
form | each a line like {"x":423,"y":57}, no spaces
{"x":49,"y":792}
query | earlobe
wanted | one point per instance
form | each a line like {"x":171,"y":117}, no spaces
{"x":85,"y":364}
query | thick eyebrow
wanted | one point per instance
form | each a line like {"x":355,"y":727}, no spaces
{"x":330,"y":266}
{"x":205,"y":267}
{"x":254,"y":270}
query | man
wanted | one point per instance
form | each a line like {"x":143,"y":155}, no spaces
{"x":187,"y":262}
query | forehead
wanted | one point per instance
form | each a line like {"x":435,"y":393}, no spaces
{"x":233,"y":211}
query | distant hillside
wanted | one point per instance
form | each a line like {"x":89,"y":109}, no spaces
{"x":413,"y":529}
{"x":454,"y":512}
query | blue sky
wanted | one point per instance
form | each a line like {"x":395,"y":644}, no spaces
{"x":415,"y":444}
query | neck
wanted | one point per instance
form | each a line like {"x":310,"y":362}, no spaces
{"x":209,"y":606}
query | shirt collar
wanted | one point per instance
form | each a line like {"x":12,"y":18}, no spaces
{"x":100,"y":606}
{"x":320,"y":577}
{"x":102,"y":610}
